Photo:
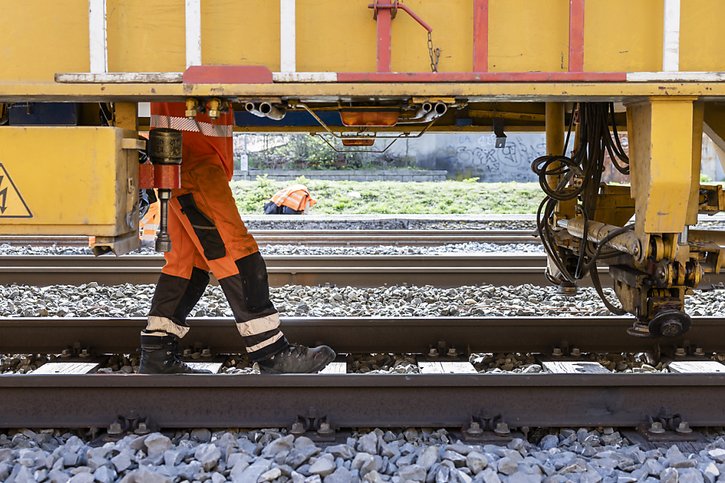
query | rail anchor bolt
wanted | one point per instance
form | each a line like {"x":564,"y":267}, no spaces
{"x":684,"y":428}
{"x":142,"y":429}
{"x":325,"y":429}
{"x":474,"y":429}
{"x":502,"y":429}
{"x":298,"y":429}
{"x":656,"y":428}
{"x":114,"y":429}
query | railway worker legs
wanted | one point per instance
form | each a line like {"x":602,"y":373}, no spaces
{"x":207,"y":234}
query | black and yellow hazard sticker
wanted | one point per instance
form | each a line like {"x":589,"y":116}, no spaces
{"x":12,"y":204}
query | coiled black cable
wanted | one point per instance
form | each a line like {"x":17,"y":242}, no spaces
{"x":579,"y":177}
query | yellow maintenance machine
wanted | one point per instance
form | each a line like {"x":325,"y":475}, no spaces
{"x":361,"y":73}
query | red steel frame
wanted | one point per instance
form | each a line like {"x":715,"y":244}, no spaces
{"x":576,"y":35}
{"x":480,"y":36}
{"x":384,"y":19}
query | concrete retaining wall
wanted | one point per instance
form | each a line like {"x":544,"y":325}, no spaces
{"x":346,"y":175}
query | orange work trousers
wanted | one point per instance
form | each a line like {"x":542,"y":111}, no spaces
{"x":207,"y":234}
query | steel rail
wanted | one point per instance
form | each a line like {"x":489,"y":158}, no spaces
{"x":343,"y":270}
{"x":332,"y":237}
{"x":350,"y":401}
{"x":368,"y":334}
{"x":360,"y":271}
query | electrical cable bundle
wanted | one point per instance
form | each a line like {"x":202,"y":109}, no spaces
{"x":579,"y":177}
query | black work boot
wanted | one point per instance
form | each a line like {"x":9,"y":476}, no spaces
{"x":160,"y":355}
{"x":298,"y":359}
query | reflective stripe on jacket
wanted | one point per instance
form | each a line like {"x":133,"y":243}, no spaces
{"x":203,"y":138}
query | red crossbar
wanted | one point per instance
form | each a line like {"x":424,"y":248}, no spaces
{"x":481,"y":76}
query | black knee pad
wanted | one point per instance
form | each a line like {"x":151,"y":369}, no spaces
{"x":253,"y":273}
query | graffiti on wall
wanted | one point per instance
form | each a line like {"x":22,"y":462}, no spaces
{"x":477,"y":156}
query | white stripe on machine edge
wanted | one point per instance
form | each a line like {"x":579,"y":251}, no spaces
{"x":671,"y":36}
{"x":675,"y":76}
{"x":304,"y":76}
{"x":97,"y":39}
{"x":287,"y":36}
{"x":193,"y":32}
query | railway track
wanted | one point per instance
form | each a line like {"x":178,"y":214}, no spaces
{"x":343,"y":270}
{"x":446,"y":395}
{"x":367,"y":334}
{"x":331,"y":237}
{"x":361,"y":271}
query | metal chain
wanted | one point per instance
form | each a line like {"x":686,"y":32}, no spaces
{"x":434,"y":54}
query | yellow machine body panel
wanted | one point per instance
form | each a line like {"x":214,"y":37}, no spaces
{"x":67,"y":181}
{"x":476,"y":61}
{"x":536,"y":41}
{"x":43,"y":37}
{"x":622,"y":35}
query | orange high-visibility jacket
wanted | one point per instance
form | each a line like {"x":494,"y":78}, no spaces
{"x":204,"y":138}
{"x":296,"y":197}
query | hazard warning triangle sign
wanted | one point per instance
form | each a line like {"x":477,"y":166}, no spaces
{"x":12,"y":204}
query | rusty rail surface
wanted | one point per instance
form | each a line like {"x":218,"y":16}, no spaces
{"x":362,"y":271}
{"x":343,"y":270}
{"x":350,"y":401}
{"x":354,"y":400}
{"x":331,"y":237}
{"x":369,"y":334}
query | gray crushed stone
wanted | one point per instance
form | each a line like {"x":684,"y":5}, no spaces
{"x":129,"y":300}
{"x":304,"y":250}
{"x":410,"y":455}
{"x":370,"y":222}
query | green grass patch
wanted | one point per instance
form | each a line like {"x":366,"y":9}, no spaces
{"x":386,"y":197}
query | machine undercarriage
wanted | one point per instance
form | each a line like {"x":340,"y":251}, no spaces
{"x":329,"y":68}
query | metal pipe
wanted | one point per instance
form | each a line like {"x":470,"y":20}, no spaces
{"x":436,"y":111}
{"x":626,"y":242}
{"x":439,"y":108}
{"x":265,"y":110}
{"x":424,"y":109}
{"x":272,"y":112}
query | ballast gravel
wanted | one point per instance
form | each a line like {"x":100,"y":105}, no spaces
{"x":129,"y":300}
{"x":305,"y":250}
{"x":412,"y":455}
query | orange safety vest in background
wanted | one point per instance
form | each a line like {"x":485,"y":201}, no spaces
{"x":149,"y":224}
{"x":204,"y":138}
{"x":296,"y":197}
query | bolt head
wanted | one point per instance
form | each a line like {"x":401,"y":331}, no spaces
{"x":474,"y":428}
{"x":502,"y":428}
{"x":684,"y":428}
{"x":114,"y":428}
